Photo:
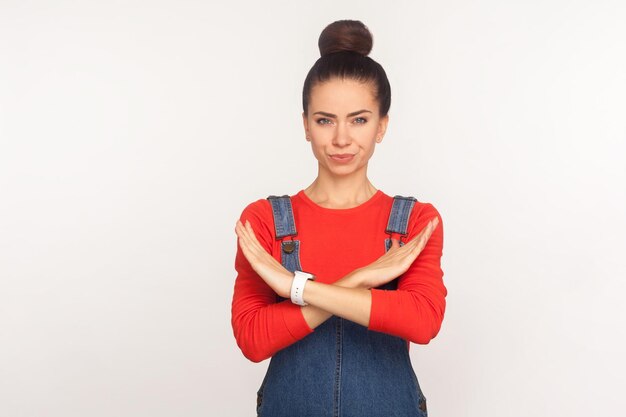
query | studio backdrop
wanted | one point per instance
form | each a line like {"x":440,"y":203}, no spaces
{"x":133,"y":134}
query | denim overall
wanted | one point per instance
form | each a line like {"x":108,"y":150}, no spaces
{"x":342,"y":369}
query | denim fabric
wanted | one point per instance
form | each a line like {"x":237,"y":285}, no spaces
{"x":285,"y":225}
{"x":291,"y":261}
{"x":283,"y":216}
{"x":342,"y":369}
{"x":399,"y":217}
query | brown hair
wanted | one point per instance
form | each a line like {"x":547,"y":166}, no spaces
{"x":344,"y":46}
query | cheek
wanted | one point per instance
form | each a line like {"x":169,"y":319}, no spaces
{"x":317,"y":148}
{"x":369,"y":148}
{"x":320,"y":139}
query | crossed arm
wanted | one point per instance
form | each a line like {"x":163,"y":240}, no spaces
{"x":351,"y":297}
{"x":414,"y":312}
{"x":327,"y":299}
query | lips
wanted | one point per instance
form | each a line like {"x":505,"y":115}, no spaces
{"x":342,"y":157}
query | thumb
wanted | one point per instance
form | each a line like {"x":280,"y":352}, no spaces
{"x":395,"y":243}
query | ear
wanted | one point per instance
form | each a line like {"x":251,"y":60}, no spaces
{"x":305,"y":122}
{"x":382,"y":128}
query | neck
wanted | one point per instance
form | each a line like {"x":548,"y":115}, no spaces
{"x":340,"y":191}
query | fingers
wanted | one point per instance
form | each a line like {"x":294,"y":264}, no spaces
{"x":434,"y":221}
{"x":251,"y":233}
{"x":425,"y":234}
{"x":242,"y":233}
{"x":427,"y":230}
{"x":417,"y":244}
{"x":252,"y":244}
{"x":245,"y":242}
{"x":246,"y":232}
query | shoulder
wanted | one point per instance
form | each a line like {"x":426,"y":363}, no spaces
{"x":258,"y":209}
{"x":419,"y":209}
{"x":421,"y":213}
{"x":423,"y":209}
{"x":259,"y":214}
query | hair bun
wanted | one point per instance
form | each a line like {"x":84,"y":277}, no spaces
{"x":345,"y":35}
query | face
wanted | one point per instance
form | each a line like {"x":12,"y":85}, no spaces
{"x":343,"y":125}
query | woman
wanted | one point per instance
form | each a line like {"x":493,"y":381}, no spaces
{"x":339,"y":332}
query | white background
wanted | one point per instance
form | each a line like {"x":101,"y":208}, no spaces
{"x":132,"y":134}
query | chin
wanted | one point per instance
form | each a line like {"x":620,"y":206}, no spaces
{"x":344,"y":171}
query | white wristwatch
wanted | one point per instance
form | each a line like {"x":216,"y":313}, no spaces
{"x":297,"y":286}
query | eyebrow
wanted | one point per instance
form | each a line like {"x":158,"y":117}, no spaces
{"x":354,"y":113}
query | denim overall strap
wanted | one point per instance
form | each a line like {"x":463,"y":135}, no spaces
{"x":285,"y":225}
{"x":399,"y":218}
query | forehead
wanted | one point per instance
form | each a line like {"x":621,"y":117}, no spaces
{"x":347,"y":94}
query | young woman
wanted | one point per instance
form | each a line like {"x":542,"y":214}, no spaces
{"x":335,"y":281}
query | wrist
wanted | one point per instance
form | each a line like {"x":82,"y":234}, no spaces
{"x":286,"y":288}
{"x":298,"y":284}
{"x":354,"y":279}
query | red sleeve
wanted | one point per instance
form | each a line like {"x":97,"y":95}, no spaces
{"x":261,"y":325}
{"x":415,"y":310}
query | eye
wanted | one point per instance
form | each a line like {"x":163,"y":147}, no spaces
{"x":364,"y":120}
{"x":322,"y":121}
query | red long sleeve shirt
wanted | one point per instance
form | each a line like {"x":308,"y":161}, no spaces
{"x":334,"y":242}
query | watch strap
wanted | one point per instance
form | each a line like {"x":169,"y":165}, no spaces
{"x":297,"y":287}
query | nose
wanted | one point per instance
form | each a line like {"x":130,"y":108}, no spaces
{"x":342,"y":135}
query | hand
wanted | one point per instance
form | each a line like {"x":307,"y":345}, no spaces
{"x":396,"y":260}
{"x":268,"y":268}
